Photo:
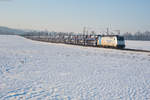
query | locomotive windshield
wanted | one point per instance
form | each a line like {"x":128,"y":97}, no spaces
{"x":120,"y":38}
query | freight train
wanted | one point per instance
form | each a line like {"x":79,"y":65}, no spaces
{"x":109,"y":41}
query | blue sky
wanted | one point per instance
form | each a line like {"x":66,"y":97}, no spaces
{"x":73,"y":15}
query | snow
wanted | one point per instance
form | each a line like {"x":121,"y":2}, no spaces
{"x":48,"y":71}
{"x":142,"y":45}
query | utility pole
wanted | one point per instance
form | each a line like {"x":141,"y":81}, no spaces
{"x":84,"y":30}
{"x":107,"y":31}
{"x":87,"y":32}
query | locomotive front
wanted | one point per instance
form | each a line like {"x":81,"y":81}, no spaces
{"x":120,"y":42}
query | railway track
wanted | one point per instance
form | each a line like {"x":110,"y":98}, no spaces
{"x":125,"y":49}
{"x":136,"y":50}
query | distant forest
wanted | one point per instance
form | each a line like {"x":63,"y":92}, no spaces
{"x":6,"y":33}
{"x":145,"y":36}
{"x":10,"y":31}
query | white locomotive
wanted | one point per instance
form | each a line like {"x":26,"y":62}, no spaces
{"x":115,"y":41}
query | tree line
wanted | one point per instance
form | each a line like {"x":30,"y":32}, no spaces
{"x":144,"y":36}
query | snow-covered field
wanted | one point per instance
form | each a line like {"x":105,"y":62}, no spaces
{"x":142,"y":45}
{"x":44,"y":71}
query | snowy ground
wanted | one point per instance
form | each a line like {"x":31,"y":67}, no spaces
{"x":142,"y":45}
{"x":45,"y":71}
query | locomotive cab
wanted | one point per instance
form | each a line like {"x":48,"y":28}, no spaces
{"x":120,"y":42}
